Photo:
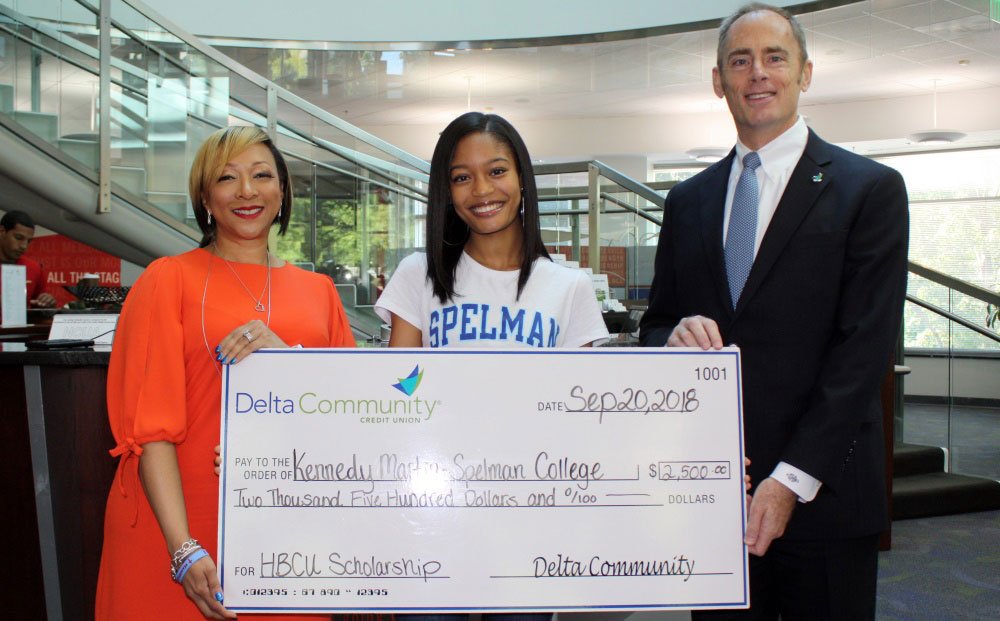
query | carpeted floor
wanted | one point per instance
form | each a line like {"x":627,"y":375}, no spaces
{"x":942,"y":568}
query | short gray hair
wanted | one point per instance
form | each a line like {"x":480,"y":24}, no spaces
{"x":753,"y":7}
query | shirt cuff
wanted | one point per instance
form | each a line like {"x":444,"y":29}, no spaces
{"x":805,"y":486}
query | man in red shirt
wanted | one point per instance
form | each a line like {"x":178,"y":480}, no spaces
{"x":16,"y":231}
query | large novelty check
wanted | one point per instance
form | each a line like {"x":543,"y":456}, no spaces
{"x":451,"y":480}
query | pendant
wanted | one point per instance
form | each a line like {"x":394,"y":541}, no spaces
{"x":259,"y":308}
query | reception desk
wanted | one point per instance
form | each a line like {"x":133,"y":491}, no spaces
{"x":57,"y":473}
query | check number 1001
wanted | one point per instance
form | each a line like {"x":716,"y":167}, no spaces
{"x":710,"y":374}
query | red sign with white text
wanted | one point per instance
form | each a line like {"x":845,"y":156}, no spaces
{"x":66,"y":261}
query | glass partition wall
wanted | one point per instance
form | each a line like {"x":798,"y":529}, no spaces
{"x":624,"y":224}
{"x":358,"y":201}
{"x":954,"y":283}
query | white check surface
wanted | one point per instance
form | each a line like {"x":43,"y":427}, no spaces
{"x":605,"y":479}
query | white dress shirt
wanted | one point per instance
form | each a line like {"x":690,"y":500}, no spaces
{"x":778,"y":159}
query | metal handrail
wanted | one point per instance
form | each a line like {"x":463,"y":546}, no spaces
{"x":953,"y":317}
{"x":34,"y":25}
{"x":117,"y":25}
{"x":969,"y":289}
{"x":637,"y":187}
{"x":545,"y":198}
{"x":258,"y":80}
{"x":242,"y":71}
{"x":398,"y":188}
{"x":372,"y":164}
{"x":90,"y":174}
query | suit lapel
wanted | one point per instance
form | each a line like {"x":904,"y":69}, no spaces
{"x":712,"y":210}
{"x":809,"y":179}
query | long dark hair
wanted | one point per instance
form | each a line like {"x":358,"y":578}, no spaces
{"x":446,"y":232}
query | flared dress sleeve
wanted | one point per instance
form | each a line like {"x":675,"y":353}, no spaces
{"x":146,"y":375}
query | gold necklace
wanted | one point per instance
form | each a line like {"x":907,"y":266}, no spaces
{"x":258,"y":302}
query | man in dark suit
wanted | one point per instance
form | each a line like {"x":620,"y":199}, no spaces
{"x":795,"y":251}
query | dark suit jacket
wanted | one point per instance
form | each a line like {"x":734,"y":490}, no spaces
{"x":816,"y":322}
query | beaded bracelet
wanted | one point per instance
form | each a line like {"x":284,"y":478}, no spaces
{"x":195,"y":556}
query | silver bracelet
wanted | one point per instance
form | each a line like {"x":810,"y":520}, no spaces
{"x":186,"y":548}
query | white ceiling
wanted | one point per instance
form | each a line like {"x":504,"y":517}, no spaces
{"x":869,"y":50}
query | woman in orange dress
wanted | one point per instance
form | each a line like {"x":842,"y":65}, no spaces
{"x":185,"y":317}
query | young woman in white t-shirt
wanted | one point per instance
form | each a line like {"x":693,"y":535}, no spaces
{"x":486,"y":279}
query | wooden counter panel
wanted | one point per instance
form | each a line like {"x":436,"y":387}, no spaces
{"x":82,"y":472}
{"x":26,"y":600}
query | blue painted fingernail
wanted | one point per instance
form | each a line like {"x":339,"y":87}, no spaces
{"x":233,"y":360}
{"x":218,"y":348}
{"x":219,"y":358}
{"x":218,"y":596}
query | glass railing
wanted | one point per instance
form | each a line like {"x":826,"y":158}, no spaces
{"x":623,"y":224}
{"x":358,"y":200}
{"x":590,"y":208}
{"x":954,"y":359}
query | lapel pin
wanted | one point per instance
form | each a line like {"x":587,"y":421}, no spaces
{"x":817,"y":177}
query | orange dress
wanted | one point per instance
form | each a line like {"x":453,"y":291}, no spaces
{"x":164,"y":384}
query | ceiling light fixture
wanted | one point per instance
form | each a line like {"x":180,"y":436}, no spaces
{"x":935,"y":136}
{"x":708,"y":155}
{"x":932,"y":137}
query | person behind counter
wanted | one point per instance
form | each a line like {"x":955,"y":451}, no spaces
{"x":185,"y":317}
{"x":485,"y":258}
{"x":17,"y":229}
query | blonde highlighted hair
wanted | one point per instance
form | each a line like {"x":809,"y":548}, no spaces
{"x":212,"y":157}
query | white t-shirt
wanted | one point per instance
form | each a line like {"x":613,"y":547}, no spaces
{"x":557,"y":308}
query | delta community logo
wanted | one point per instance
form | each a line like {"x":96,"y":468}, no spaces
{"x":409,"y":384}
{"x":368,"y":410}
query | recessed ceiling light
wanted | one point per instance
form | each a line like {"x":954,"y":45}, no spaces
{"x":964,"y":62}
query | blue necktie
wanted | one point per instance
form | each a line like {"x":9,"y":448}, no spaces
{"x":742,"y":227}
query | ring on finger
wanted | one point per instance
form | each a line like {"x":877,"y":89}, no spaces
{"x":248,"y":336}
